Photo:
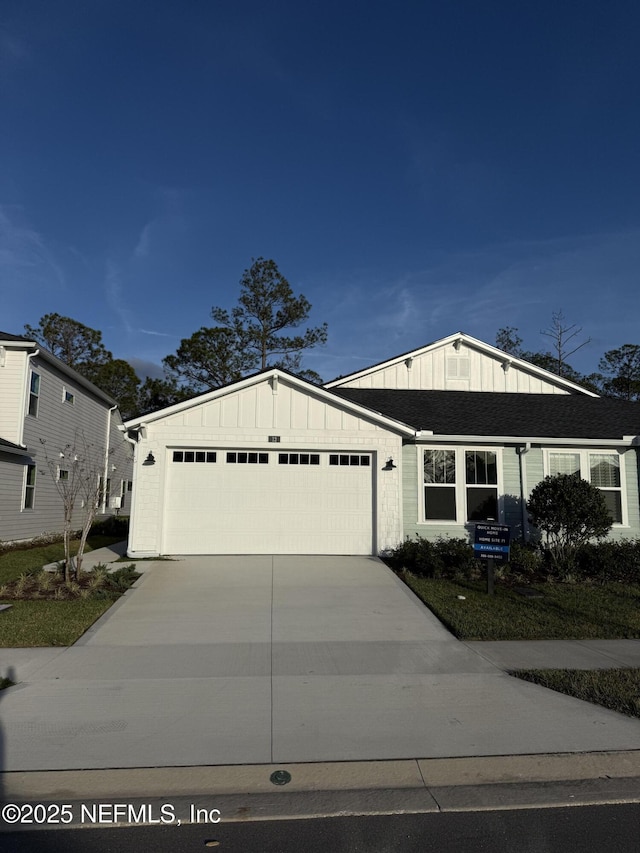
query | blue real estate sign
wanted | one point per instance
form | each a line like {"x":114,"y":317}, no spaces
{"x":492,"y":540}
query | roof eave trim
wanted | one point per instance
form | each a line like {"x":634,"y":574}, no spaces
{"x":61,"y":366}
{"x":18,"y":344}
{"x":15,"y":450}
{"x":424,"y":436}
{"x":87,"y":384}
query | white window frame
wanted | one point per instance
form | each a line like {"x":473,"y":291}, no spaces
{"x":585,"y":472}
{"x":68,"y":397}
{"x":62,"y":471}
{"x":460,"y":484}
{"x":34,"y":394}
{"x":26,"y":485}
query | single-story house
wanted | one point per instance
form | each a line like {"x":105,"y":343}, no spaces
{"x":428,"y":443}
{"x":46,"y":410}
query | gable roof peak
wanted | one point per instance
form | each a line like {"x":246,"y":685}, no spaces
{"x":456,"y":340}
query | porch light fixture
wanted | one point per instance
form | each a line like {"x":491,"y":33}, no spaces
{"x":150,"y":460}
{"x":389,"y":466}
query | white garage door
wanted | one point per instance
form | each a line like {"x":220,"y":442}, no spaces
{"x":265,"y":502}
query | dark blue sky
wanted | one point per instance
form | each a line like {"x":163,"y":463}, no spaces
{"x":413,"y":168}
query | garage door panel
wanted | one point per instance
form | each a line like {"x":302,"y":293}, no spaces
{"x":268,"y":508}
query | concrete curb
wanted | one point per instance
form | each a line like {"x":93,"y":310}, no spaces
{"x":117,"y":604}
{"x":241,"y":793}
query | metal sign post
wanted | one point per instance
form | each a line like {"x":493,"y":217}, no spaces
{"x":490,"y":576}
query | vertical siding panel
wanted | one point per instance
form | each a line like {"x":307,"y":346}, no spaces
{"x":229,"y":411}
{"x":409,"y":490}
{"x":211,"y":414}
{"x":439,"y":374}
{"x":248,"y":408}
{"x":316,"y":414}
{"x":282,"y":402}
{"x":299,"y":411}
{"x":512,"y":500}
{"x":264,"y":404}
{"x":631,"y":463}
{"x":193,"y":417}
{"x":534,"y":468}
{"x":349,"y":422}
{"x":428,"y":372}
{"x":333,"y":418}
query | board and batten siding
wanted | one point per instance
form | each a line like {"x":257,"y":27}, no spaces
{"x":512,"y":508}
{"x":244,"y":419}
{"x":449,"y":369}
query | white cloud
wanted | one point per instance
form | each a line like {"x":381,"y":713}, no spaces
{"x":25,"y":258}
{"x":592,"y":278}
{"x":142,"y":246}
{"x":157,"y":334}
{"x":115,"y":299}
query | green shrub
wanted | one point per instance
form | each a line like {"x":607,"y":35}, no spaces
{"x":442,"y":558}
{"x":604,"y":562}
{"x":457,"y":558}
{"x":115,"y":583}
{"x":111,"y":525}
{"x":526,"y":561}
{"x":570,"y":512}
{"x":414,"y":555}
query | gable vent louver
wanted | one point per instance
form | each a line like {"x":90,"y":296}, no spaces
{"x":458,"y":368}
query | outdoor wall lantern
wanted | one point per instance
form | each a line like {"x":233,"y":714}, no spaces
{"x":389,"y":466}
{"x":150,"y":460}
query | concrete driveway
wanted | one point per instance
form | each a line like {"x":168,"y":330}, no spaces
{"x":249,"y":660}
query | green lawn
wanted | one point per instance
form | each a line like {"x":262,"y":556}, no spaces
{"x":566,"y":612}
{"x":617,"y":689}
{"x":31,"y":623}
{"x":15,"y":563}
{"x":48,"y":623}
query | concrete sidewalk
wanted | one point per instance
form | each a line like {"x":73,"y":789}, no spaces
{"x":104,"y":555}
{"x":559,"y":654}
{"x":101,"y":556}
{"x":258,"y":660}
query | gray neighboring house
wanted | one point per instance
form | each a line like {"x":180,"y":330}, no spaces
{"x":44,"y":400}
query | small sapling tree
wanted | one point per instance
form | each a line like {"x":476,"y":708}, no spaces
{"x":570,"y":512}
{"x":76,"y":472}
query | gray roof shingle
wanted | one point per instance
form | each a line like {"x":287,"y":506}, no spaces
{"x":506,"y":414}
